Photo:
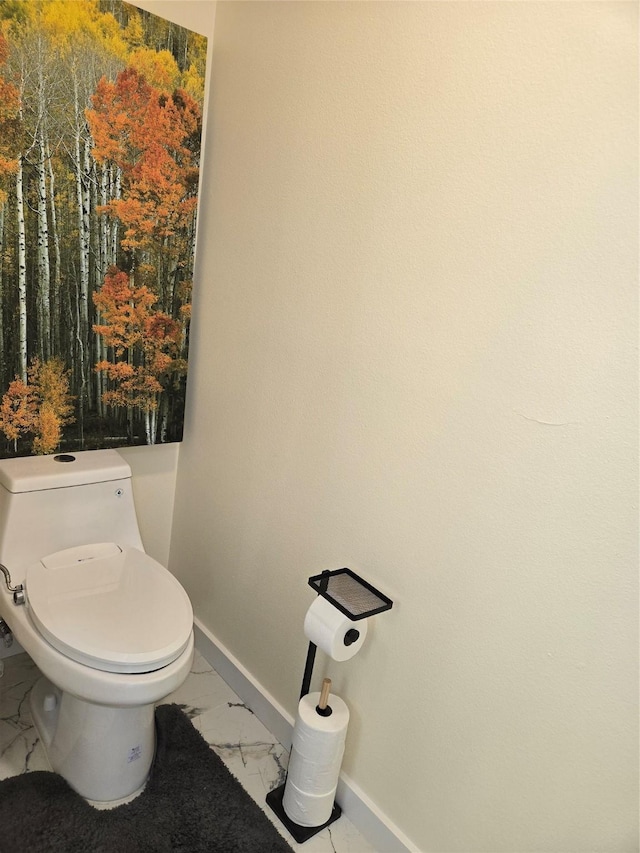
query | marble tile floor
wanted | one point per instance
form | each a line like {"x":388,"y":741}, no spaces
{"x":247,"y":748}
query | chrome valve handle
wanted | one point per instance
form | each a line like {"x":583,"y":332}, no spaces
{"x":18,"y":591}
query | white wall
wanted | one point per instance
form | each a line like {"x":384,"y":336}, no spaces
{"x":154,"y":481}
{"x":414,"y":354}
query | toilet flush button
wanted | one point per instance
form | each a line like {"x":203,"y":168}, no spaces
{"x":50,"y":702}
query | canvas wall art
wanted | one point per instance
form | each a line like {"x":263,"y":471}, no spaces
{"x":100,"y":141}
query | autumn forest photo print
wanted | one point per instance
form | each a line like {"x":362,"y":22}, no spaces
{"x":100,"y":135}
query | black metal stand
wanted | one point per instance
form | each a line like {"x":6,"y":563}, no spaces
{"x":300,"y":833}
{"x":275,"y":797}
{"x":357,"y":599}
{"x":308,"y":669}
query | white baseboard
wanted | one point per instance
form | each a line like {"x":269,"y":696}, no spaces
{"x":379,"y":831}
{"x":270,"y":713}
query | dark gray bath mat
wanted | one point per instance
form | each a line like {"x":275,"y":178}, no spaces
{"x":191,"y":804}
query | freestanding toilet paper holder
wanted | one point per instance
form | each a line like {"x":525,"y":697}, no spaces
{"x":357,"y":599}
{"x":351,"y":595}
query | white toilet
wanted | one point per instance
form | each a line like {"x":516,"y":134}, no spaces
{"x":109,"y":627}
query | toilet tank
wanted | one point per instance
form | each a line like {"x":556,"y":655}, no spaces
{"x":48,"y":503}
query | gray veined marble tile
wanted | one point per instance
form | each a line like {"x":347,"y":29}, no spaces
{"x":23,"y":753}
{"x":202,"y":691}
{"x":14,"y":695}
{"x":248,"y":749}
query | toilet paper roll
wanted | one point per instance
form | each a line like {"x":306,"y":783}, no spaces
{"x":307,"y":809}
{"x":315,"y":760}
{"x":309,"y":744}
{"x":327,"y":627}
{"x":314,"y":775}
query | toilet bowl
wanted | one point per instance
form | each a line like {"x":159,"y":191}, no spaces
{"x":110,"y":629}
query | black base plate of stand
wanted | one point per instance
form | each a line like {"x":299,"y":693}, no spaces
{"x":300,"y":833}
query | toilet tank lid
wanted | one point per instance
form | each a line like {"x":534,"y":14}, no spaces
{"x":61,"y":470}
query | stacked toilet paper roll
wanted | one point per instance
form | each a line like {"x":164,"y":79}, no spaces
{"x":314,"y":763}
{"x":332,"y":631}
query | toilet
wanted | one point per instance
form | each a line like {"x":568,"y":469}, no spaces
{"x":109,"y":628}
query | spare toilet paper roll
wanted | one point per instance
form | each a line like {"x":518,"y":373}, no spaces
{"x":327,"y":627}
{"x":315,"y":760}
{"x":307,"y":809}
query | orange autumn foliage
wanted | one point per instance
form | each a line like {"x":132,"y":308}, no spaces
{"x":9,"y":123}
{"x":18,"y":410}
{"x":48,"y":430}
{"x":145,"y":343}
{"x":41,"y":406}
{"x":124,"y":308}
{"x":149,"y":134}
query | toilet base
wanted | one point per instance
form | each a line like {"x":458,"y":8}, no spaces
{"x":104,"y":752}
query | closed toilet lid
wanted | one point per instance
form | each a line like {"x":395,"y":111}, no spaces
{"x":109,"y":607}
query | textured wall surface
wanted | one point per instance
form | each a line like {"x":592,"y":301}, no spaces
{"x":414,"y":354}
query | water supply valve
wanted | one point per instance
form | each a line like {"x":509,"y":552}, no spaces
{"x":18,"y":590}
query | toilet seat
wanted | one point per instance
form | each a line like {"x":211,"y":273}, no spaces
{"x":109,"y":607}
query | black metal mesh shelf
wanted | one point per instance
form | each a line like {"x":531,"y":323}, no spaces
{"x":352,"y":595}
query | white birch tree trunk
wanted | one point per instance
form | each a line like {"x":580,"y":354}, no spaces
{"x":56,"y":294}
{"x":105,"y":263}
{"x":150,"y":425}
{"x":22,"y":275}
{"x":164,"y":418}
{"x":44,"y":270}
{"x":116,"y":194}
{"x":82,"y":201}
